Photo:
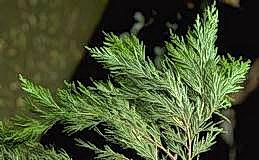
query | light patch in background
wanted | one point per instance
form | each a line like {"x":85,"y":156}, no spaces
{"x":43,"y":40}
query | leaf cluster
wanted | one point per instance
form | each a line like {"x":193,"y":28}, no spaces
{"x":174,"y":104}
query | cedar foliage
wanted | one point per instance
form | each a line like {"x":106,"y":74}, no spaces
{"x":146,"y":107}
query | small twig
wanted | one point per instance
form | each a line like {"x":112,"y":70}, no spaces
{"x":173,"y":157}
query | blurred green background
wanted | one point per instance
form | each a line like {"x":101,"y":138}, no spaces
{"x":43,"y":40}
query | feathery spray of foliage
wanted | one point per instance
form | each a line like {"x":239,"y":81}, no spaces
{"x":174,"y":104}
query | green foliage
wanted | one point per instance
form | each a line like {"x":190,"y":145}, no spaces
{"x":16,"y":146}
{"x":175,"y":103}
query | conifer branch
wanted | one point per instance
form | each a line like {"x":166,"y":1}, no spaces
{"x":174,"y":103}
